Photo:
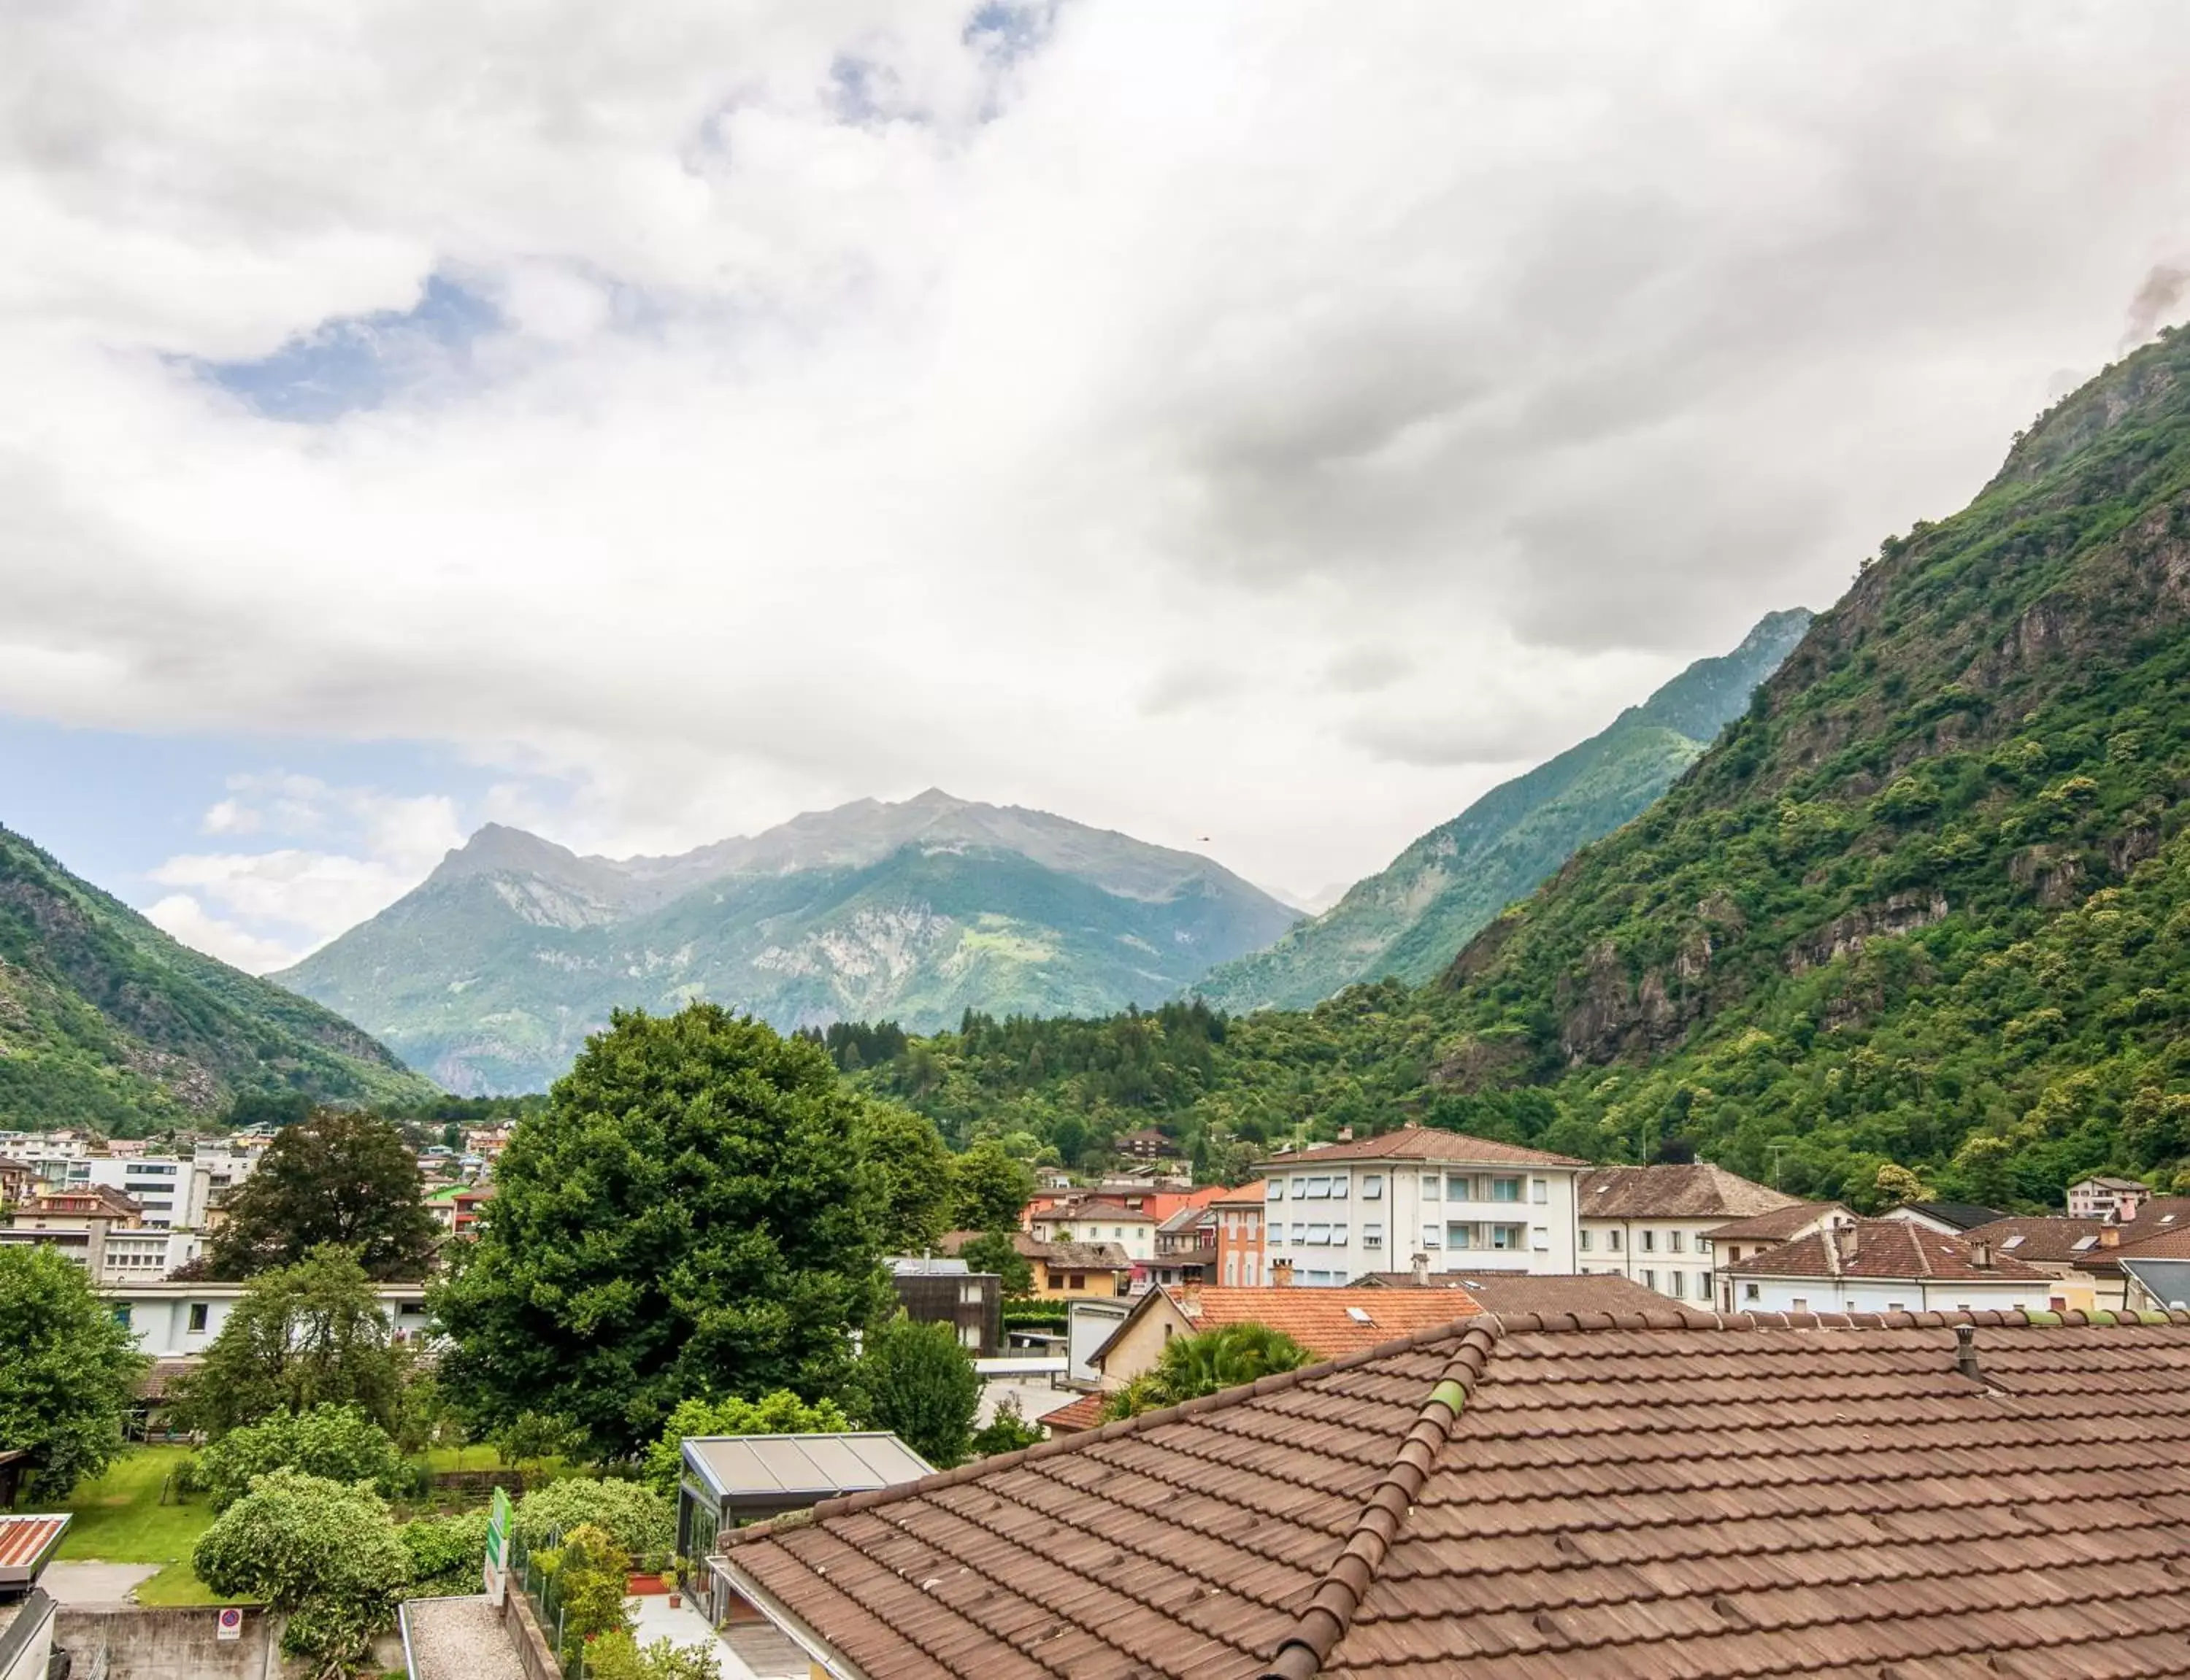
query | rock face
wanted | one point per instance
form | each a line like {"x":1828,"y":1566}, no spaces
{"x":490,"y":975}
{"x":106,"y":1021}
{"x":1409,"y":920}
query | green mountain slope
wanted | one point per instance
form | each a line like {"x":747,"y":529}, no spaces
{"x":105,"y":1020}
{"x":1409,"y":920}
{"x":1927,"y":902}
{"x":493,"y":971}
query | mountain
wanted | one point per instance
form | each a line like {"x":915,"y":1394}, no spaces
{"x":1412,"y":918}
{"x":105,"y":1020}
{"x":1926,"y":903}
{"x":491,"y":973}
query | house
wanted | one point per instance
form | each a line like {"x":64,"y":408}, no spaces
{"x":1685,"y":1494}
{"x":1063,"y":1271}
{"x":2078,"y":1254}
{"x":1889,"y":1266}
{"x":1093,"y":1219}
{"x":179,"y":1321}
{"x":937,"y":1290}
{"x":167,"y":1190}
{"x":1335,"y":1212}
{"x":1653,"y":1225}
{"x":1146,"y":1144}
{"x":16,"y":1182}
{"x":1327,"y":1322}
{"x":1949,"y":1219}
{"x":731,"y":1479}
{"x":75,"y":1221}
{"x":1186,"y":1249}
{"x":1239,"y":1214}
{"x":28,"y":1545}
{"x":455,"y":1206}
{"x":1742,"y":1239}
{"x":2103,"y":1198}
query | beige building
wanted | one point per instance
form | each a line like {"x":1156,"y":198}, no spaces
{"x":1653,"y":1225}
{"x":1098,"y":1219}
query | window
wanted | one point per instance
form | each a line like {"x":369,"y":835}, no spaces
{"x":1649,"y":1241}
{"x":1649,"y":1278}
{"x":1077,"y":1281}
{"x":1751,"y":1292}
{"x":1338,"y":1235}
{"x":1505,"y":1190}
{"x":1318,"y":1236}
{"x":1539,"y":1191}
{"x":198,"y":1311}
{"x":1587,"y":1237}
{"x":1703,"y":1286}
{"x":1247,"y":1273}
{"x":122,"y":1312}
{"x":969,"y":1294}
{"x":1276,"y":1192}
{"x":1432,"y":1238}
{"x":1372,"y":1187}
{"x":1231,"y":1225}
{"x":1540,"y":1239}
{"x":1459,"y":1236}
{"x":1372,"y":1236}
{"x":1254,"y":1226}
{"x":1231,"y":1270}
{"x":1612,"y":1241}
{"x":1339,"y":1183}
{"x":1673,"y":1284}
{"x":1799,"y":1305}
{"x":1300,"y":1233}
{"x":1429,"y":1186}
{"x":1316,"y":1189}
{"x":1118,"y":1231}
{"x":1674,"y":1240}
{"x":1458,"y":1188}
{"x":1508,"y":1238}
{"x":1895,"y":1307}
{"x":969,"y":1336}
{"x":1277,"y":1235}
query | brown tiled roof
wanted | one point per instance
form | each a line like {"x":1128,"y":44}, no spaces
{"x":2045,"y":1237}
{"x":1520,"y":1292}
{"x":1892,"y":1248}
{"x":1084,"y":1413}
{"x":1097,"y":1208}
{"x":2161,"y":1213}
{"x":1425,"y":1143}
{"x":1405,"y":1280}
{"x":2168,"y":1245}
{"x":1089,"y":1256}
{"x":1694,"y":1189}
{"x":1666,"y":1495}
{"x":1775,"y":1226}
{"x":1323,"y":1320}
{"x":1256,"y":1193}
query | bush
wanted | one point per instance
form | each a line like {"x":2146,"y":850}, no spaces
{"x":620,"y":1656}
{"x":338,"y":1442}
{"x":1008,"y":1431}
{"x":779,"y":1413}
{"x":916,"y":1381}
{"x":588,"y":1570}
{"x":447,"y":1553}
{"x":638,"y":1519}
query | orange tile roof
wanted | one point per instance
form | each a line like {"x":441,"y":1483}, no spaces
{"x":1324,"y":1321}
{"x":1084,"y":1413}
{"x":1670,"y":1494}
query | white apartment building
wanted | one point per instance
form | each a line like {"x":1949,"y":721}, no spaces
{"x":1653,"y":1225}
{"x":1336,"y":1214}
{"x":1887,"y":1266}
{"x":177,"y":1320}
{"x":1097,"y":1221}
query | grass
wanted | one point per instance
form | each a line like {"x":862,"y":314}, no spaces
{"x":119,"y":1518}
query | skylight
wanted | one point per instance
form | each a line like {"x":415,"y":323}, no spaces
{"x":1360,"y":1315}
{"x":2014,"y":1241}
{"x":2083,"y":1243}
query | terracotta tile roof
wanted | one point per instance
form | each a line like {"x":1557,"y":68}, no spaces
{"x":2054,"y":1238}
{"x":2161,"y":1213}
{"x":1098,"y":1208}
{"x":1892,"y":1248}
{"x":1084,"y":1413}
{"x":1693,"y":1189}
{"x":1089,"y":1256}
{"x":1254,"y":1194}
{"x":1776,"y":1226}
{"x":2167,"y":1245}
{"x":1425,"y":1143}
{"x":1663,"y":1494}
{"x":1521,"y":1292}
{"x":1325,"y":1320}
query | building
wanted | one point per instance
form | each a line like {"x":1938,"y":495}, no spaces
{"x":1653,"y":1225}
{"x":1335,"y":1213}
{"x":1063,"y":1271}
{"x":1239,"y":1231}
{"x":455,"y":1207}
{"x":179,"y":1321}
{"x":2079,"y":1254}
{"x":1186,"y":1249}
{"x":16,"y":1182}
{"x":28,"y":1545}
{"x":938,"y":1290}
{"x":2105,"y":1198}
{"x":1512,"y":1292}
{"x":1688,"y":1495}
{"x":1146,"y":1144}
{"x":75,"y":1220}
{"x":1100,"y":1219}
{"x":1949,"y":1219}
{"x":1887,"y":1266}
{"x":1744,"y":1239}
{"x":1324,"y":1321}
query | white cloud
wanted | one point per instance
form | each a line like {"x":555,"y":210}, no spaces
{"x":1259,"y":418}
{"x":183,"y":916}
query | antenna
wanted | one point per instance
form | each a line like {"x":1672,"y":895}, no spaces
{"x":1775,"y":1151}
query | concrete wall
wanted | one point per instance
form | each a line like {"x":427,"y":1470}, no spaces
{"x":27,"y":1637}
{"x":134,"y":1642}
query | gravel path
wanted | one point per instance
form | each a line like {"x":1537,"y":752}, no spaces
{"x":460,"y":1639}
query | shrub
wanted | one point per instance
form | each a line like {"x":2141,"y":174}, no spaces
{"x":447,"y":1553}
{"x":338,"y":1442}
{"x":637,"y":1517}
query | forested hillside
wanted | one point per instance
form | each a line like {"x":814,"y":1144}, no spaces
{"x":1928,"y":901}
{"x":105,"y":1020}
{"x":1407,"y":919}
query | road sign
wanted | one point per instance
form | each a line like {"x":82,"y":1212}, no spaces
{"x":495,"y":1574}
{"x":229,"y":1624}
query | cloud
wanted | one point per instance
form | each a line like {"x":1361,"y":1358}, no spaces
{"x":767,"y":403}
{"x":2156,"y":302}
{"x":187,"y":920}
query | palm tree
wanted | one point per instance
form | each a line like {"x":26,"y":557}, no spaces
{"x":1222,"y":1357}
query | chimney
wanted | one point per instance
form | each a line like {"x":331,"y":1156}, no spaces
{"x":2109,"y":1236}
{"x":1189,"y":1299}
{"x":1281,"y":1274}
{"x":1982,"y":1252}
{"x":1422,"y":1264}
{"x":1851,"y":1242}
{"x":1966,"y":1352}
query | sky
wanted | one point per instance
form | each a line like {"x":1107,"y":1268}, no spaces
{"x":1265,"y":421}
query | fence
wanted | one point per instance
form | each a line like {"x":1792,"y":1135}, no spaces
{"x":538,"y":1586}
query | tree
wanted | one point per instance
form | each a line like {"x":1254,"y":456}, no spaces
{"x":620,"y":1656}
{"x":917,"y":1382}
{"x":268,"y":1108}
{"x":324,"y":1555}
{"x":780,"y":1413}
{"x":1008,"y":1431}
{"x":688,"y":1216}
{"x":1191,"y":1366}
{"x":341,"y":1178}
{"x":1897,"y":1185}
{"x":911,"y":1173}
{"x":1070,"y":1137}
{"x":302,"y":1335}
{"x":589,"y":1571}
{"x":994,"y":1251}
{"x":993,"y":1189}
{"x":338,"y":1442}
{"x":68,"y":1369}
{"x":637,"y":1517}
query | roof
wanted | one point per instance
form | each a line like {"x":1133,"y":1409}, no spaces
{"x":2167,"y":1244}
{"x":1670,"y":1494}
{"x":2159,"y":1213}
{"x":2168,"y":1279}
{"x":1425,"y":1143}
{"x":1884,"y":1248}
{"x":1084,"y":1413}
{"x":1086,"y":1256}
{"x":1187,"y":1219}
{"x":1692,"y":1190}
{"x":1247,"y":1194}
{"x":925,"y":1265}
{"x":1522,"y":1292}
{"x":773,"y":1468}
{"x":2054,"y":1238}
{"x":1327,"y":1322}
{"x":1097,"y":1208}
{"x":2105,"y":1183}
{"x":1962,"y":1215}
{"x":25,"y":1543}
{"x":1778,"y":1224}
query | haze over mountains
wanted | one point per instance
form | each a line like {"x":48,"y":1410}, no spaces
{"x":489,"y":975}
{"x":1409,"y":920}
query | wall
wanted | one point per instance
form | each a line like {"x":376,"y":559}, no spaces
{"x":1878,"y":1295}
{"x":26,"y":1636}
{"x":160,"y":1313}
{"x":138,"y":1644}
{"x":1682,"y":1273}
{"x":1391,"y":1210}
{"x":1141,"y":1344}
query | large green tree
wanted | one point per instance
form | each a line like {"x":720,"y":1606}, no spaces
{"x":917,"y":1382}
{"x":68,"y":1369}
{"x":690,"y":1216}
{"x":992,"y":1190}
{"x":302,"y":1335}
{"x":323,"y":1555}
{"x":340,"y":1177}
{"x":911,"y":1172}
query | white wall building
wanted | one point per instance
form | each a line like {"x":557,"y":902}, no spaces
{"x":1887,"y":1266}
{"x":1098,"y":1221}
{"x":1653,"y":1225}
{"x":1469,"y":1204}
{"x":176,"y":1320}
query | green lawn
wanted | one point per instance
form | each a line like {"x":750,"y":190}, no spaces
{"x":120,"y":1519}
